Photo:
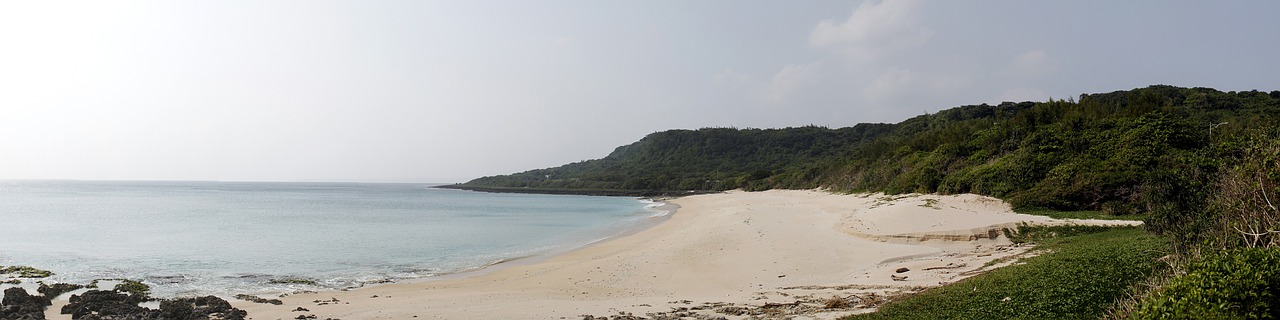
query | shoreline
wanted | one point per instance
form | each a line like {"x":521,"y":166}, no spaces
{"x":646,"y":213}
{"x":661,"y":208}
{"x":258,"y":238}
{"x":664,"y":205}
{"x":728,"y":254}
{"x":581,"y":192}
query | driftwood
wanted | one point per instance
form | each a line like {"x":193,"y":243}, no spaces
{"x":948,"y":266}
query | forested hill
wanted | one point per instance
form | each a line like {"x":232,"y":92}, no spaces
{"x":695,"y":160}
{"x":1122,"y":151}
{"x":715,"y":159}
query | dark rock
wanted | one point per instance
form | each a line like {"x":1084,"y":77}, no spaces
{"x":301,"y":309}
{"x":18,"y":304}
{"x":903,"y":269}
{"x":257,"y":299}
{"x":207,"y":307}
{"x":57,"y":289}
{"x":18,"y":296}
{"x":136,"y":289}
{"x":102,"y":304}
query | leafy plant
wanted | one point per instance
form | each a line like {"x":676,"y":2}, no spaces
{"x":1236,"y":284}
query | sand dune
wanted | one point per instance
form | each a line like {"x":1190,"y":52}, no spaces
{"x":732,"y":254}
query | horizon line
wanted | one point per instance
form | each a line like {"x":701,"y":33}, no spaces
{"x":247,"y":181}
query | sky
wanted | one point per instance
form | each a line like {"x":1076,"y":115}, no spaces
{"x":446,"y":91}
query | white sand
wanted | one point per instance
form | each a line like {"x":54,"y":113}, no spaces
{"x":732,"y":250}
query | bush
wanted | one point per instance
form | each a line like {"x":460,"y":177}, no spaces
{"x":1237,"y":284}
{"x":1247,"y":194}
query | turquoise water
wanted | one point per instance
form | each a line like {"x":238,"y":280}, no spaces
{"x":187,"y":238}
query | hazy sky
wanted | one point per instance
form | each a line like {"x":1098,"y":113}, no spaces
{"x":434,"y":91}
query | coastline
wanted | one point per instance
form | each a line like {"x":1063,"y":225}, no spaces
{"x":582,"y":192}
{"x":668,"y":209}
{"x":325,"y":235}
{"x":658,"y":209}
{"x":732,"y":254}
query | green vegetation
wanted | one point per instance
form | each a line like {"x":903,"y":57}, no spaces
{"x":1142,"y":151}
{"x":1237,"y":284}
{"x":1079,"y":214}
{"x":133,"y":288}
{"x":705,"y":159}
{"x":931,"y":203}
{"x":1036,"y":234}
{"x":25,"y":272}
{"x":1238,"y":274}
{"x":1081,"y":272}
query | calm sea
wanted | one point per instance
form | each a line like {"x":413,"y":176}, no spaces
{"x":187,"y":238}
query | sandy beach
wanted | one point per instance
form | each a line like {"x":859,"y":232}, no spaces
{"x":808,"y":254}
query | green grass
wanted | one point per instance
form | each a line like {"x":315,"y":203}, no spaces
{"x":1032,"y":234}
{"x":1082,"y":272}
{"x":1085,"y":214}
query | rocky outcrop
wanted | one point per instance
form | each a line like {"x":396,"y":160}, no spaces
{"x":101,"y":304}
{"x":206,"y":307}
{"x":19,"y":305}
{"x":257,"y":299}
{"x":57,"y":289}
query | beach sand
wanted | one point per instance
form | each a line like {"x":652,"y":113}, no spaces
{"x":780,"y":252}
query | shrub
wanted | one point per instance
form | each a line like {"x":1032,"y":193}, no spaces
{"x":1237,"y":284}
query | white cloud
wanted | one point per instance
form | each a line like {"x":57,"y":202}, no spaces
{"x":791,"y":79}
{"x":1033,"y":63}
{"x":897,"y":83}
{"x":889,"y":84}
{"x":730,"y":77}
{"x":873,"y":30}
{"x":1022,"y":74}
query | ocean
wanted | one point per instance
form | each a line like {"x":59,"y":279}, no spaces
{"x":226,"y":238}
